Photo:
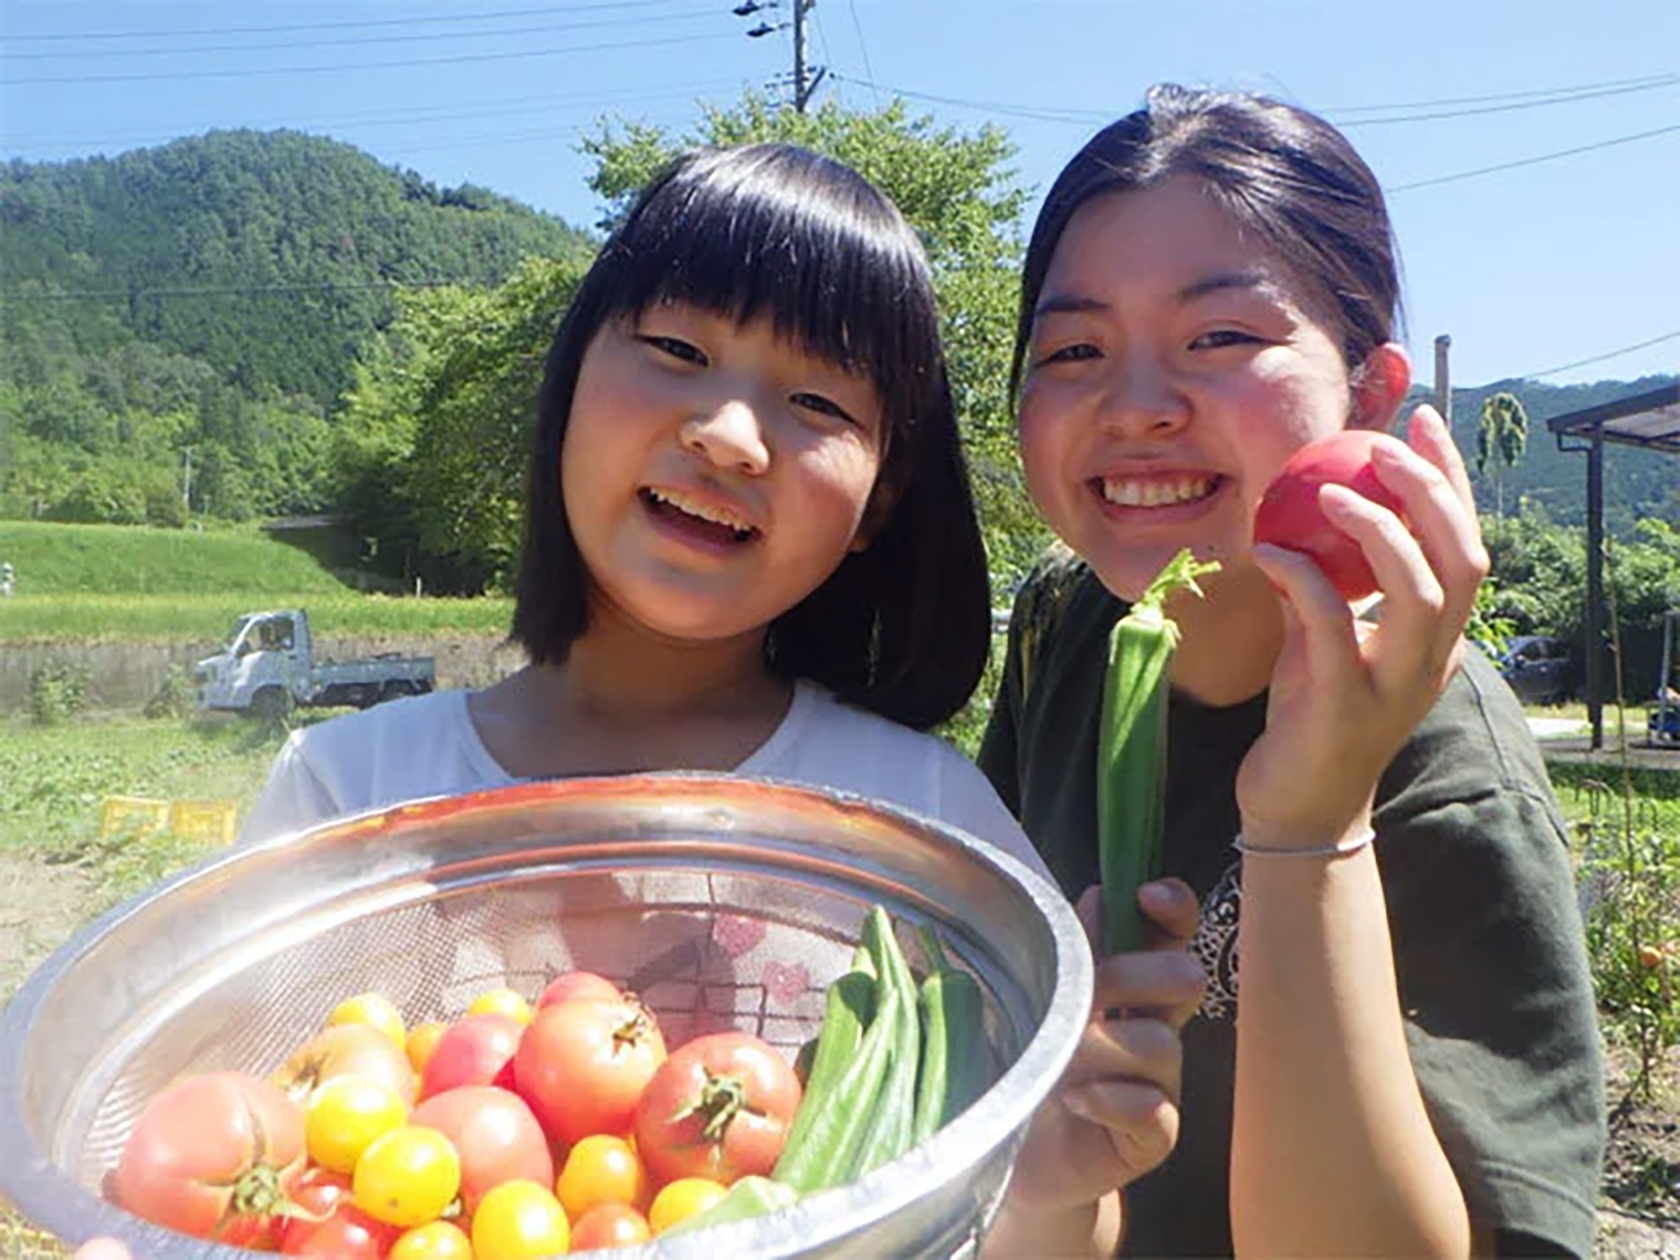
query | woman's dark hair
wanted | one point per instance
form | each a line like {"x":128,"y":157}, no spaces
{"x":1280,"y":172}
{"x":777,"y":232}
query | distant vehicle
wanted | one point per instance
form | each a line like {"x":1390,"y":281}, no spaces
{"x":1540,"y":668}
{"x":268,"y":668}
{"x":1665,"y":711}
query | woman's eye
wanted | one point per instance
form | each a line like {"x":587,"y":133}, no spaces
{"x":824,"y":406}
{"x":676,"y":348}
{"x":1221,"y":337}
{"x":1076,"y":353}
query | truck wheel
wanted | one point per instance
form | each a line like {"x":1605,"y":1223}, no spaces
{"x":272,"y":705}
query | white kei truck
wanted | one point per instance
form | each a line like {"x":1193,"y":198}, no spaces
{"x":268,"y":668}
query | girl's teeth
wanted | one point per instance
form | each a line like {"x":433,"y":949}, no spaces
{"x":683,"y":504}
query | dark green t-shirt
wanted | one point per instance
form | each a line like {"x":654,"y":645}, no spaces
{"x":1488,"y":945}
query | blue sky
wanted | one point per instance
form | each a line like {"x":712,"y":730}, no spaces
{"x":1569,"y":253}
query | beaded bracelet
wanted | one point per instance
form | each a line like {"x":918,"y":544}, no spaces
{"x":1340,"y":849}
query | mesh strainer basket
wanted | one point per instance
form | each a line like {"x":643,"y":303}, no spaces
{"x":723,"y":902}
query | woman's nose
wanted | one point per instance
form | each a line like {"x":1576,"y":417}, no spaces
{"x":1141,"y":398}
{"x":729,"y":436}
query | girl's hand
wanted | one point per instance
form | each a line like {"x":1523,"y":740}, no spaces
{"x":1346,"y":694}
{"x":1114,"y":1115}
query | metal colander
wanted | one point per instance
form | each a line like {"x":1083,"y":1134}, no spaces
{"x":722,"y":901}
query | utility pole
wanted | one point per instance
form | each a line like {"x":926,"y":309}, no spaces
{"x":186,"y":481}
{"x":805,"y":76}
{"x":1443,"y":386}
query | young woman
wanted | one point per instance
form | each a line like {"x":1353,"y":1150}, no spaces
{"x":1410,"y":1065}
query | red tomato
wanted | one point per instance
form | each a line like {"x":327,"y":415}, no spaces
{"x":209,"y":1142}
{"x":472,"y":1051}
{"x":1289,"y":514}
{"x":346,"y":1050}
{"x":610,"y":1225}
{"x":579,"y":984}
{"x":582,"y":1065}
{"x":495,"y":1134}
{"x":344,"y":1233}
{"x":719,"y":1107}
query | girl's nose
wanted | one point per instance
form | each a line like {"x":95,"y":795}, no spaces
{"x":1142,"y":399}
{"x":729,"y":436}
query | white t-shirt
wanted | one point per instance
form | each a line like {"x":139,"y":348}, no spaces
{"x":427,"y":746}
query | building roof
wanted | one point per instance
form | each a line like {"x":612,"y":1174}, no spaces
{"x":1650,"y":420}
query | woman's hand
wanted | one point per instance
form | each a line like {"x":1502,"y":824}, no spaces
{"x":1114,"y":1114}
{"x":1347,"y":693}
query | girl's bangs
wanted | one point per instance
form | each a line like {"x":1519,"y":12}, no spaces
{"x":833,"y":274}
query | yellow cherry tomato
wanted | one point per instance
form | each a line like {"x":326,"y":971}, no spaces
{"x":519,"y":1220}
{"x":374,"y":1009}
{"x":344,"y":1115}
{"x":600,"y":1169}
{"x":438,"y":1241}
{"x":681,"y":1199}
{"x":501,"y":1002}
{"x":407,"y":1177}
{"x":422,"y":1040}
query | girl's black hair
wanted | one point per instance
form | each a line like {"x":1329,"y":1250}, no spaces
{"x":1279,"y":171}
{"x":777,"y":232}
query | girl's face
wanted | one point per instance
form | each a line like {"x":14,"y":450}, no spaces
{"x":713,"y":474}
{"x":1174,"y":364}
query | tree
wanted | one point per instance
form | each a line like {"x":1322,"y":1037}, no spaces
{"x":1501,"y":441}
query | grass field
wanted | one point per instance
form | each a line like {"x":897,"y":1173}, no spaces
{"x":73,"y":618}
{"x":106,"y":583}
{"x":139,"y":560}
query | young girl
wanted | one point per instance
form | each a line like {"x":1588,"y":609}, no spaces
{"x":1411,"y":1065}
{"x":749,"y":543}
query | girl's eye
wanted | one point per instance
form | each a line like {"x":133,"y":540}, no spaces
{"x":1076,"y":353}
{"x":1221,"y":337}
{"x":677,"y":349}
{"x":824,"y":406}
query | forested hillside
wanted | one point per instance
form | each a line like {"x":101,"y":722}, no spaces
{"x":1637,"y":483}
{"x":187,"y":317}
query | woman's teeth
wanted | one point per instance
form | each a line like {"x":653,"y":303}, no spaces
{"x":1131,"y":492}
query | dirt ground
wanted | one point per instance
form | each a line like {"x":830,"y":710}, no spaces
{"x":42,"y":904}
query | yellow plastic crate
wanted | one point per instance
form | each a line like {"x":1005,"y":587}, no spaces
{"x":216,"y":822}
{"x":132,"y":815}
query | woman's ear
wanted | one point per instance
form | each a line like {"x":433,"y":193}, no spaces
{"x":1379,"y":384}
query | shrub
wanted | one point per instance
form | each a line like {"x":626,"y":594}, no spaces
{"x":58,"y":691}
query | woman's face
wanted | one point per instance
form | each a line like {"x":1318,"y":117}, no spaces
{"x":1175,"y":362}
{"x":713,"y":474}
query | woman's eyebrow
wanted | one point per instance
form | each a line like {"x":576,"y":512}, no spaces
{"x":1067,"y":303}
{"x":1221,"y":281}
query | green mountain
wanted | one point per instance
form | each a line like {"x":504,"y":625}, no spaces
{"x":178,"y":324}
{"x":1637,"y":482}
{"x":265,"y":254}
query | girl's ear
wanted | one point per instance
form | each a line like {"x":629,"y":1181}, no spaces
{"x":1378,"y":386}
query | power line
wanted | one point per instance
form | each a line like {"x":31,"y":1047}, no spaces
{"x":366,"y":65}
{"x":1600,"y":358}
{"x":1670,"y":81}
{"x":863,"y":49}
{"x":1533,"y":161}
{"x":341,"y":42}
{"x":416,"y":19}
{"x":1526,"y":94}
{"x":426,"y":114}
